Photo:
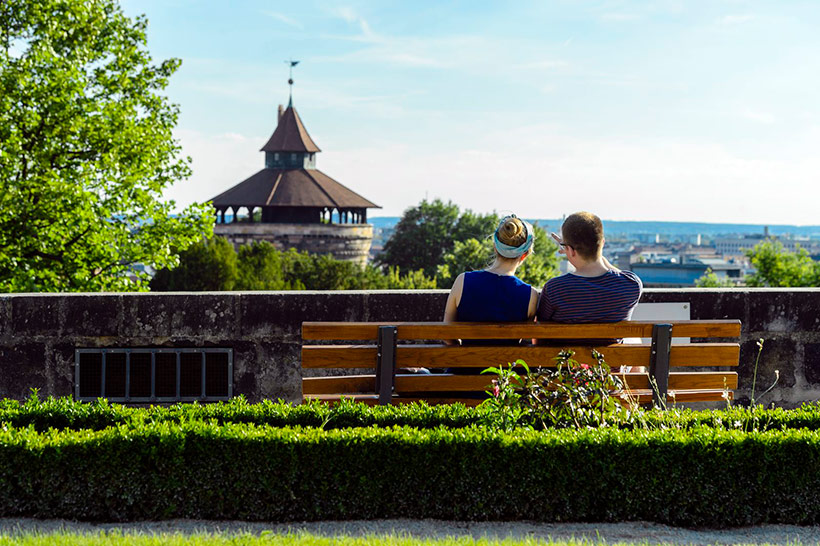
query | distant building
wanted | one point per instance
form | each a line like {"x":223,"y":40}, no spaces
{"x":684,"y":272}
{"x":291,"y":204}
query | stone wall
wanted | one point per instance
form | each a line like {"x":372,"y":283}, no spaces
{"x":39,"y":332}
{"x":349,"y":242}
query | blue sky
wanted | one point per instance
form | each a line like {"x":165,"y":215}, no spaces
{"x":656,"y":110}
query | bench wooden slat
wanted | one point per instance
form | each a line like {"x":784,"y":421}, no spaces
{"x":339,"y":356}
{"x":373,"y":400}
{"x":682,"y":396}
{"x":472,"y":330}
{"x":365,"y":384}
{"x":641,"y":397}
{"x":431,"y":356}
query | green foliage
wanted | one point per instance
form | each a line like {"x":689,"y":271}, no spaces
{"x":542,"y":264}
{"x":473,"y":254}
{"x":572,"y":395}
{"x":172,"y":465}
{"x":775,"y":266}
{"x":469,"y":255}
{"x":208,"y":265}
{"x":711,"y":280}
{"x":65,"y":413}
{"x":262,"y":268}
{"x":215,"y":265}
{"x":86,"y":150}
{"x":428,"y":231}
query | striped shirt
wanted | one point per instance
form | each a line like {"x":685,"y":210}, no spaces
{"x":610,"y":297}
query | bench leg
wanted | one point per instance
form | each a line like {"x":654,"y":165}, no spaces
{"x":386,"y":364}
{"x":659,"y":363}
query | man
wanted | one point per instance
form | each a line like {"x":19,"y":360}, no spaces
{"x":596,"y":291}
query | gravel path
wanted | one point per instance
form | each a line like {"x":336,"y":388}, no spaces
{"x":609,"y":532}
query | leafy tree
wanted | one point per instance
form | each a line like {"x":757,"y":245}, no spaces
{"x":86,"y":149}
{"x":711,"y":280}
{"x":475,"y":226}
{"x":428,"y":231}
{"x":542,"y":265}
{"x":469,"y":255}
{"x":412,"y":280}
{"x":776,"y":266}
{"x":474,"y":254}
{"x":206,"y":266}
{"x":214,"y":265}
{"x":260,"y":267}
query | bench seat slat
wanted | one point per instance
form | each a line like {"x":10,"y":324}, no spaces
{"x":373,"y":400}
{"x":516,"y":330}
{"x":365,"y":384}
{"x":641,"y":397}
{"x":431,"y":356}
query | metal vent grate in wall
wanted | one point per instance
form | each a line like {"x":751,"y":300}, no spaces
{"x":153,"y":375}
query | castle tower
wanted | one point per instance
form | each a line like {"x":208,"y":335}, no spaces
{"x":292,"y":204}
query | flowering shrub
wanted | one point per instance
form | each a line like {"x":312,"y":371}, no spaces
{"x":571,"y":395}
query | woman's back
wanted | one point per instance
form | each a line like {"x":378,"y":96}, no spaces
{"x":488,"y":297}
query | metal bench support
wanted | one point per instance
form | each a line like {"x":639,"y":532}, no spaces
{"x":386,"y":364}
{"x":659,"y":363}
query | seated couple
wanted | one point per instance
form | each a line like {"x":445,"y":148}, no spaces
{"x":596,"y":291}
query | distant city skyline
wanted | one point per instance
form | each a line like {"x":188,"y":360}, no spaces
{"x":701,"y":111}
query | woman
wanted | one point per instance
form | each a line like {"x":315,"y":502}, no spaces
{"x":495,"y":294}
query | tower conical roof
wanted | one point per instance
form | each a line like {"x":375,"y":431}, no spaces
{"x":291,"y":188}
{"x":290,"y":135}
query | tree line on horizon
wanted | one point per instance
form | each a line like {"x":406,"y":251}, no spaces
{"x":433,"y":243}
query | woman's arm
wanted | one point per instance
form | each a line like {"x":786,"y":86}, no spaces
{"x":451,"y":309}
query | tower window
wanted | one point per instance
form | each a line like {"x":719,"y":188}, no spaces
{"x":276,"y":157}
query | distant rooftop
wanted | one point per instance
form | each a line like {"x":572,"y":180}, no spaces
{"x":291,"y":188}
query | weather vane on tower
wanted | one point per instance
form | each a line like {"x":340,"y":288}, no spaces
{"x":291,"y":63}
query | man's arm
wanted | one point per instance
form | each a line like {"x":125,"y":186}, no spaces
{"x":608,"y":265}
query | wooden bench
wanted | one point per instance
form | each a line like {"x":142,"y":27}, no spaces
{"x":382,"y":349}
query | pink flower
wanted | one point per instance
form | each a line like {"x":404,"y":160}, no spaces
{"x":585,"y":366}
{"x":496,"y":390}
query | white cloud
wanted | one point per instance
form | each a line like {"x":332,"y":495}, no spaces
{"x":351,"y":16}
{"x":284,"y":18}
{"x":546,"y":64}
{"x":543,"y":174}
{"x":760,"y":117}
{"x":620,"y":17}
{"x":538,"y":172}
{"x":735,"y":19}
{"x":220,"y":161}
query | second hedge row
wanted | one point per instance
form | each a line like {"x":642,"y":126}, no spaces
{"x":66,"y":413}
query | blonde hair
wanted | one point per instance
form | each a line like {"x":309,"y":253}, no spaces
{"x":512,"y":232}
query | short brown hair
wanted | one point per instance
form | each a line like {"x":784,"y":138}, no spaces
{"x":584,"y":232}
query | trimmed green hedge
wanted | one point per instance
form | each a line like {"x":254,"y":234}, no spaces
{"x":698,"y":477}
{"x":65,"y":413}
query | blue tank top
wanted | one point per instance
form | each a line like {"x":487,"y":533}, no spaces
{"x":488,"y":297}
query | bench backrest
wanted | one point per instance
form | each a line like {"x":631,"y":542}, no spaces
{"x":386,"y":348}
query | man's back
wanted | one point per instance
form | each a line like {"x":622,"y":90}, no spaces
{"x":610,"y":297}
